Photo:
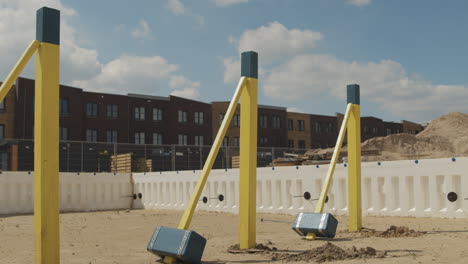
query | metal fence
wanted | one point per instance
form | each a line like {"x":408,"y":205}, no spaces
{"x":77,"y":156}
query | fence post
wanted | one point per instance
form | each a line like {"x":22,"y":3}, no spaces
{"x":46,"y":138}
{"x":354,"y":160}
{"x":173,"y":157}
{"x":248,"y":151}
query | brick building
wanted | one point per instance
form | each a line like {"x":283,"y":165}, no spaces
{"x":299,"y":130}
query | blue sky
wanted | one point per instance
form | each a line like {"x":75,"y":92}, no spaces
{"x":409,"y":57}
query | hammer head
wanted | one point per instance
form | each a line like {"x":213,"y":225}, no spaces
{"x":322,"y":225}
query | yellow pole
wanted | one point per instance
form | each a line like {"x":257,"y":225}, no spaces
{"x":354,"y":161}
{"x":188,"y":213}
{"x":190,"y":209}
{"x":248,"y":152}
{"x":46,"y":139}
{"x":15,"y":72}
{"x":331,"y":169}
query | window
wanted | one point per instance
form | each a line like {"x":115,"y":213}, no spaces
{"x":198,"y":118}
{"x":157,"y":114}
{"x":2,"y":131}
{"x":112,"y":111}
{"x":91,"y":135}
{"x":236,"y":142}
{"x":366,"y":130}
{"x":290,"y":143}
{"x":64,"y":106}
{"x":140,"y":138}
{"x":237,"y":120}
{"x":140,"y":113}
{"x":318,"y":128}
{"x":263,"y":141}
{"x":221,"y":118}
{"x":301,"y":144}
{"x":63,"y":133}
{"x":199,"y":140}
{"x":389,"y":131}
{"x":374,"y":130}
{"x":263,"y":119}
{"x":290,"y":124}
{"x":111,"y":136}
{"x":276,"y":122}
{"x":182,"y":116}
{"x":157,"y":139}
{"x":301,"y":125}
{"x":182,"y":139}
{"x":226,"y":141}
{"x":2,"y":105}
{"x":92,"y":109}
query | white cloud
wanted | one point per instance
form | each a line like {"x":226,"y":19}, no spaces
{"x":224,"y":3}
{"x":128,"y":74}
{"x":143,"y":30}
{"x":179,"y":9}
{"x":358,"y":2}
{"x":292,"y":71}
{"x":231,"y":69}
{"x":276,"y":42}
{"x":190,"y":93}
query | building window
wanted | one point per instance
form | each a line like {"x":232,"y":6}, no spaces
{"x":198,"y":118}
{"x":157,"y":114}
{"x":290,"y":143}
{"x":182,"y":116}
{"x":226,"y":141}
{"x":2,"y":105}
{"x":263,"y":141}
{"x":374,"y":130}
{"x":92,"y":109}
{"x":199,"y":140}
{"x":64,"y":106}
{"x":140,"y":138}
{"x":236,"y":142}
{"x":140,"y":113}
{"x":263,"y":119}
{"x":63,"y":133}
{"x":182,"y":139}
{"x":157,"y":139}
{"x":91,"y":135}
{"x":290,"y":124}
{"x":318,"y":128}
{"x":301,"y":144}
{"x":221,"y":118}
{"x":2,"y":131}
{"x":366,"y":130}
{"x":111,"y":136}
{"x":112,"y":111}
{"x":301,"y":125}
{"x":276,"y":122}
{"x":237,"y":120}
{"x":389,"y":131}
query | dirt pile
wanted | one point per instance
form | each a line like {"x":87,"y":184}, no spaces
{"x":446,"y":136}
{"x":330,"y":252}
{"x":392,"y":231}
{"x":259,"y":248}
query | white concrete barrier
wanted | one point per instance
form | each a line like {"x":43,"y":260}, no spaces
{"x":393,"y":188}
{"x":78,"y":192}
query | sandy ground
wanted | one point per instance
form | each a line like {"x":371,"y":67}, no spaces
{"x":121,"y":237}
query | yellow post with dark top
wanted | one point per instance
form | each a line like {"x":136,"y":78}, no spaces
{"x":46,"y":138}
{"x":248,"y":151}
{"x":354,"y":160}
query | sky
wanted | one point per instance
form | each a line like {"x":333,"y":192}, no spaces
{"x":410,"y":58}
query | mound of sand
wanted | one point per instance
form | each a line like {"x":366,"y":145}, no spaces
{"x":446,"y":136}
{"x":392,"y":231}
{"x":329,"y":252}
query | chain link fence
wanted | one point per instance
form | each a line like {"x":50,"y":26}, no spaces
{"x":77,"y":156}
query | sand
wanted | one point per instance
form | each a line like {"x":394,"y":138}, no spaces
{"x":114,"y":237}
